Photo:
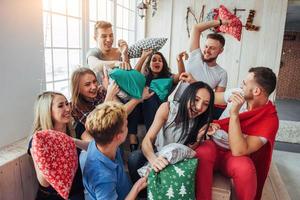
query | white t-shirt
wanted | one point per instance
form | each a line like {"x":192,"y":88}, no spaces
{"x":221,"y":136}
{"x":213,"y":76}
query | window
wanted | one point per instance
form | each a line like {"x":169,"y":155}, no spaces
{"x":68,"y":33}
{"x":125,"y":25}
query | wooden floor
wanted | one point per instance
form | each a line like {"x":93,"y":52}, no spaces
{"x":274,"y":187}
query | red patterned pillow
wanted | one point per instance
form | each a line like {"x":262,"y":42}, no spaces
{"x":235,"y":26}
{"x":55,"y":155}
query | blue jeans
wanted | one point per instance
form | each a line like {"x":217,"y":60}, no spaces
{"x":145,"y":111}
{"x":136,"y":160}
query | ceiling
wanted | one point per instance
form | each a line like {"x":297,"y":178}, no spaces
{"x":293,"y":16}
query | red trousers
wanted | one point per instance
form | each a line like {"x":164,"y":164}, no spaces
{"x":214,"y":158}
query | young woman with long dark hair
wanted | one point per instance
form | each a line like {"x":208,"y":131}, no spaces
{"x":156,"y":68}
{"x":184,"y":122}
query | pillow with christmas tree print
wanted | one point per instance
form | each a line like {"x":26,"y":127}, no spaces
{"x":175,"y":182}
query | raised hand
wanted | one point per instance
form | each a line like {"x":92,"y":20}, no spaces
{"x":147,"y":94}
{"x":182,"y":56}
{"x":124,"y":65}
{"x":105,"y":78}
{"x":112,"y":92}
{"x":226,"y":22}
{"x":187,"y":77}
{"x":146,"y":53}
{"x":123,"y":47}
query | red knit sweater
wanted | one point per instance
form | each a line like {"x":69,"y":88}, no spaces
{"x":262,"y":122}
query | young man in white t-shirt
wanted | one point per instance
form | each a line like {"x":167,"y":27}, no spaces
{"x":202,"y":64}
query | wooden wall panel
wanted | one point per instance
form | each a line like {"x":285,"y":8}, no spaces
{"x":18,"y":179}
{"x":28,"y":177}
{"x":264,"y":47}
{"x":160,"y":24}
{"x":10,"y":184}
{"x":250,"y":41}
{"x":179,"y":36}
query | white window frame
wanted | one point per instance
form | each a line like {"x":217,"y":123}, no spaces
{"x":84,"y":45}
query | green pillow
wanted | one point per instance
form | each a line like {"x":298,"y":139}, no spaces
{"x":174,"y":182}
{"x":132,"y":82}
{"x":161,"y":87}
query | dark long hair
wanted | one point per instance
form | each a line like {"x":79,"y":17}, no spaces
{"x":188,"y":97}
{"x":164,"y":73}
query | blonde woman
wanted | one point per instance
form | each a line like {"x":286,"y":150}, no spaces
{"x":52,"y":111}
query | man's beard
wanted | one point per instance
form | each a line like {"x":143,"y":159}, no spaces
{"x":248,"y":96}
{"x":209,"y":59}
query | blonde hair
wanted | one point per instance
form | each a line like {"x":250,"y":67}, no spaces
{"x":75,"y":83}
{"x":101,"y":24}
{"x":106,"y":121}
{"x":43,"y":111}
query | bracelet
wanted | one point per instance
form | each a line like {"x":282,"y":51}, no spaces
{"x":220,"y":22}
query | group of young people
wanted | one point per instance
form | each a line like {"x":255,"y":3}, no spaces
{"x":238,"y":144}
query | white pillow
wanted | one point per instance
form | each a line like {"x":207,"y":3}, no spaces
{"x":173,"y":152}
{"x":135,"y":51}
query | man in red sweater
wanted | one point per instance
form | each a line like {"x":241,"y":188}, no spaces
{"x":242,"y":148}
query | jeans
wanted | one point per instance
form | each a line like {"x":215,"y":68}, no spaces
{"x":145,"y":111}
{"x":136,"y":160}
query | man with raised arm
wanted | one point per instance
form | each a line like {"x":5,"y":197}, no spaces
{"x":202,"y":64}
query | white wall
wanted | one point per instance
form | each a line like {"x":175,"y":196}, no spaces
{"x":262,"y":48}
{"x":21,"y":66}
